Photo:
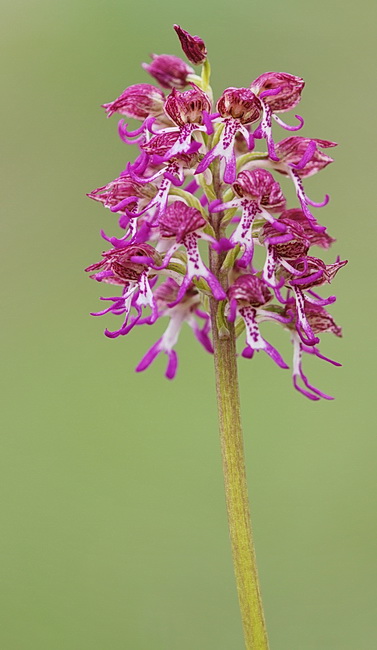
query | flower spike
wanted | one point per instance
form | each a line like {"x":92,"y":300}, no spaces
{"x":198,"y":182}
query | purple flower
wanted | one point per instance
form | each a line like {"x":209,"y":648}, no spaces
{"x":119,"y":267}
{"x":316,"y":238}
{"x":118,"y":264}
{"x":291,"y":244}
{"x":281,"y":91}
{"x":259,"y":185}
{"x":187,"y":310}
{"x":302,"y":274}
{"x":240,"y":104}
{"x":196,"y":180}
{"x":186,"y":110}
{"x":246,"y":295}
{"x":125,"y":196}
{"x":193,"y":46}
{"x":303,"y":155}
{"x":278,"y":92}
{"x":139,"y":101}
{"x":187,"y":107}
{"x":260,"y":195}
{"x":320,"y":321}
{"x":122,"y":188}
{"x":184,"y":225}
{"x":172,"y":173}
{"x":170,"y":71}
{"x":300,"y":157}
{"x":237,"y":107}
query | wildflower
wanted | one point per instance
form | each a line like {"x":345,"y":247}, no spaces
{"x":299,"y":158}
{"x":291,"y":244}
{"x":246,"y":295}
{"x":196,"y":181}
{"x":315,"y":237}
{"x":122,"y":192}
{"x":320,"y":321}
{"x":302,"y":274}
{"x":184,"y":225}
{"x":259,"y":195}
{"x":186,"y":110}
{"x":139,"y":101}
{"x":183,"y":311}
{"x":277,"y":92}
{"x":237,"y":107}
{"x":121,"y":266}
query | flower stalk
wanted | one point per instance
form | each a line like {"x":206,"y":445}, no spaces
{"x":233,"y":458}
{"x":236,"y":493}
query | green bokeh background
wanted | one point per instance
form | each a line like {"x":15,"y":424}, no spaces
{"x":114,"y":531}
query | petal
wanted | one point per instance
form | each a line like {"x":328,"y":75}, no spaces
{"x":149,"y":357}
{"x":302,"y":321}
{"x":243,"y":234}
{"x":172,"y":366}
{"x":287,"y":127}
{"x":266,"y":131}
{"x":254,"y":338}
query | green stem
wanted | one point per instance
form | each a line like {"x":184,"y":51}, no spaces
{"x":236,"y":493}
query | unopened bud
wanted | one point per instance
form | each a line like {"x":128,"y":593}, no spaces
{"x":193,"y":46}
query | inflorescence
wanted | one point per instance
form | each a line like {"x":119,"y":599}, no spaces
{"x":199,"y":176}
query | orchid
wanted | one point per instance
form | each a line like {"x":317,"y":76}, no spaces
{"x":166,"y":199}
{"x":277,"y":92}
{"x":192,"y":207}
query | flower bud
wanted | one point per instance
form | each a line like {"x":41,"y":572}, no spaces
{"x":288,"y":95}
{"x":260,"y":185}
{"x":170,"y":71}
{"x":240,"y":104}
{"x":139,"y":101}
{"x":187,"y":107}
{"x":193,"y":46}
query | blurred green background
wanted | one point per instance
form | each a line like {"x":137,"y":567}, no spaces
{"x":114,"y":533}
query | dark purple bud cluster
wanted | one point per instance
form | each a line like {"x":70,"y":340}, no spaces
{"x":197,"y":177}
